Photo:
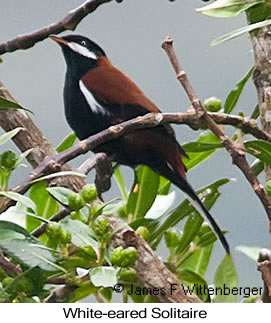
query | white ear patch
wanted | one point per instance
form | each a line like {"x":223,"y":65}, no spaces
{"x":82,"y":50}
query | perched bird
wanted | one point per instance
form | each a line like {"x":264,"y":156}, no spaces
{"x":97,"y":95}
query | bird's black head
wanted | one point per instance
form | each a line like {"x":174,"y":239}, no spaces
{"x":81,"y":53}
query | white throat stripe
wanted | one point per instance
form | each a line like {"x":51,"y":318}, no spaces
{"x":82,"y":50}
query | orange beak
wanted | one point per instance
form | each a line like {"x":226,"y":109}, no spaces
{"x":59,"y":40}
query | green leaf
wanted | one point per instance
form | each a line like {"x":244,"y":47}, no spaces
{"x":251,"y":252}
{"x":240,"y":31}
{"x":15,"y":214}
{"x":226,"y":276}
{"x":107,"y":294}
{"x":234,"y":95}
{"x":204,"y":147}
{"x":82,"y":235}
{"x":255,"y":114}
{"x":121,"y":184}
{"x":46,"y":205}
{"x":28,"y":253}
{"x":206,"y":237}
{"x":161,"y":206}
{"x":259,"y":13}
{"x":6,"y":104}
{"x":20,"y":198}
{"x":191,"y":229}
{"x":144,"y":192}
{"x":85,"y":289}
{"x":62,"y":173}
{"x":192,"y":279}
{"x":111,"y":208}
{"x":260,"y":149}
{"x":9,"y":135}
{"x":104,"y":276}
{"x":22,"y":157}
{"x":150,"y":224}
{"x":257,"y":166}
{"x":164,"y":186}
{"x":254,"y":299}
{"x":199,"y":260}
{"x":13,"y":230}
{"x":198,"y":146}
{"x":66,"y":143}
{"x":210,"y":193}
{"x":228,"y":8}
{"x":8,"y":234}
{"x":182,"y":211}
{"x":29,"y":283}
{"x":60,"y":194}
{"x":4,"y":296}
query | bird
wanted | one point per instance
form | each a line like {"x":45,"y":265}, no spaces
{"x":98,"y":95}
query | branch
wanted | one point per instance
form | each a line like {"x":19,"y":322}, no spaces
{"x":104,"y":171}
{"x":235,"y":149}
{"x":151,"y":271}
{"x":247,"y":125}
{"x":11,"y":269}
{"x":55,"y":163}
{"x":261,"y":42}
{"x":69,"y":22}
{"x":147,"y":266}
{"x":147,"y":256}
{"x":61,"y":295}
{"x":90,"y":163}
{"x":264,"y":266}
{"x":32,"y":138}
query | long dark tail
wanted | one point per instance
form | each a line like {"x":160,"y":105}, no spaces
{"x":182,"y":184}
{"x":186,"y":187}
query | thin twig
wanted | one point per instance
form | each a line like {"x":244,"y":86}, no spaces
{"x":56,"y":218}
{"x":89,"y":164}
{"x":236,"y":150}
{"x":9,"y":267}
{"x":69,"y":22}
{"x":61,"y":294}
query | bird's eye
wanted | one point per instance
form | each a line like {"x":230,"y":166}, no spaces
{"x":83,"y":43}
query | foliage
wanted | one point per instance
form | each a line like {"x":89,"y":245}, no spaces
{"x":81,"y":241}
{"x":228,"y":8}
{"x":77,"y":250}
{"x":6,"y":104}
{"x":258,"y":14}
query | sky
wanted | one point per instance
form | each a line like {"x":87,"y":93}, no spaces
{"x":131,"y":34}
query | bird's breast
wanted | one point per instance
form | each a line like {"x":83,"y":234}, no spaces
{"x":84,"y":114}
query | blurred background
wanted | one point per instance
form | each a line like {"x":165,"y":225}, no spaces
{"x":131,"y":34}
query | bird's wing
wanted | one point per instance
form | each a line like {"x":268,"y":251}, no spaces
{"x":110,"y":85}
